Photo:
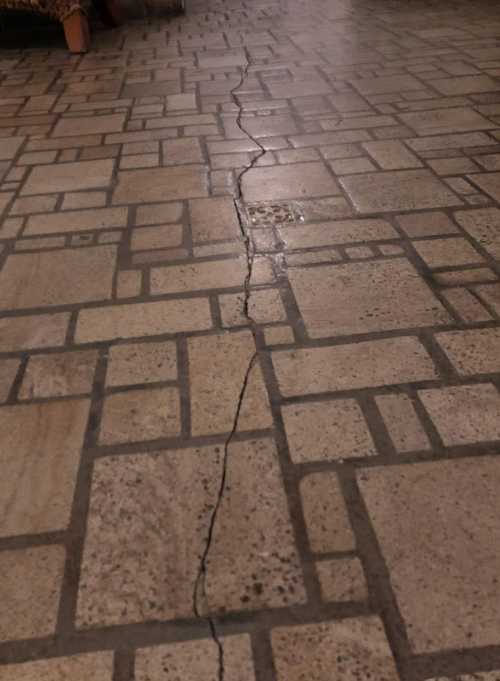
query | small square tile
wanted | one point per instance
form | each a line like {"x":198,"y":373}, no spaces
{"x":464,"y":414}
{"x":326,"y":431}
{"x":30,"y":592}
{"x":136,"y":363}
{"x":279,"y":335}
{"x":342,"y":580}
{"x":140,"y":415}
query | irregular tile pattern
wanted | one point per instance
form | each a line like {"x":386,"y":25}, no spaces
{"x":250,"y":345}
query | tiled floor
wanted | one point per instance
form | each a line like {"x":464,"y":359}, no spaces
{"x":250,"y":346}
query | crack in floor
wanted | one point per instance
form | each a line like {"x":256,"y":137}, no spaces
{"x":200,"y":584}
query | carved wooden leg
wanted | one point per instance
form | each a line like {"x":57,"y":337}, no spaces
{"x":76,"y":30}
{"x":111,"y":15}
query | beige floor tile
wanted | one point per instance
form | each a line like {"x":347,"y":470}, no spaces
{"x":213,"y":218}
{"x":339,"y":232}
{"x":472,"y":352}
{"x":196,"y":660}
{"x":161,"y":236}
{"x":8,"y":372}
{"x":300,"y":88}
{"x":181,"y":151}
{"x":67,"y":177}
{"x":138,"y":320}
{"x":403,"y":424}
{"x":140,"y":415}
{"x":159,"y":213}
{"x":441,"y":557}
{"x":325,"y":431}
{"x":217,"y":274}
{"x":160,"y":184}
{"x":149,"y":515}
{"x":489,"y":183}
{"x":89,"y":125}
{"x":342,"y":580}
{"x":451,"y":252}
{"x":346,"y":650}
{"x":76,"y":221}
{"x":392,"y":154}
{"x":36,"y":331}
{"x":264,"y":307}
{"x":30,"y":591}
{"x":398,"y":190}
{"x":446,"y":120}
{"x":40,"y":452}
{"x":375,"y":86}
{"x":337,"y":300}
{"x":325,"y":514}
{"x":31,"y":280}
{"x":465,"y":85}
{"x":433,"y":223}
{"x":136,"y":363}
{"x":483,"y":225}
{"x":296,"y":181}
{"x":352,"y":366}
{"x":98,"y":666}
{"x":61,"y":374}
{"x":217,"y":369}
{"x":9,"y":147}
{"x":464,"y":414}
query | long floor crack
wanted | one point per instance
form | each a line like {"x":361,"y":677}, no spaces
{"x":250,"y":251}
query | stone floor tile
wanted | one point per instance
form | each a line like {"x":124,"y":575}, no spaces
{"x":337,"y":300}
{"x":472,"y":352}
{"x":489,"y":183}
{"x":31,"y":280}
{"x":441,"y":557}
{"x":301,"y":88}
{"x":196,"y":660}
{"x":325,"y":514}
{"x":296,"y":181}
{"x":401,"y":420}
{"x":218,"y":274}
{"x":29,"y":592}
{"x":136,"y":363}
{"x":138,"y":320}
{"x":160,"y":184}
{"x":40,"y":452}
{"x":380,"y":85}
{"x":158,"y":213}
{"x":465,"y":85}
{"x":217,"y":369}
{"x":89,"y":125}
{"x":98,"y":666}
{"x":336,"y":233}
{"x":476,"y":676}
{"x":68,"y":177}
{"x":467,"y":306}
{"x":392,"y":154}
{"x":354,"y":365}
{"x":264,"y":307}
{"x":57,"y":375}
{"x":214,"y":218}
{"x":451,"y":252}
{"x":76,"y":221}
{"x":252,"y":563}
{"x":36,"y":331}
{"x":342,"y":579}
{"x":323,"y":431}
{"x":140,"y":415}
{"x":464,"y":414}
{"x":279,"y":335}
{"x":483,"y":225}
{"x":446,"y":120}
{"x":415,"y":225}
{"x":8,"y":372}
{"x":181,"y":151}
{"x":398,"y":190}
{"x":346,"y":650}
{"x":160,"y":236}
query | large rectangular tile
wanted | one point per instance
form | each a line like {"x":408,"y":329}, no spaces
{"x":160,"y":184}
{"x":67,"y":177}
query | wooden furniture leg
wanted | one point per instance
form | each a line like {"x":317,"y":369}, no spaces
{"x":109,"y":12}
{"x":76,"y":30}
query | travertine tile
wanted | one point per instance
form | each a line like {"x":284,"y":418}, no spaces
{"x":253,"y":561}
{"x":98,"y":666}
{"x":327,"y":430}
{"x":35,"y":331}
{"x":299,"y":180}
{"x":217,"y":274}
{"x":159,"y":213}
{"x":279,"y":335}
{"x":196,"y":660}
{"x":403,"y":424}
{"x":76,"y":221}
{"x":483,"y":225}
{"x":161,"y":236}
{"x":181,"y":151}
{"x":135,"y":363}
{"x":441,"y":557}
{"x":338,"y":232}
{"x":465,"y":85}
{"x":375,"y":86}
{"x":213,"y":218}
{"x":446,"y":120}
{"x":139,"y":415}
{"x":8,"y":372}
{"x":464,"y":414}
{"x":325,"y":514}
{"x":61,"y":374}
{"x":398,"y":190}
{"x":217,"y":369}
{"x":264,"y":307}
{"x":489,"y":183}
{"x":44,"y":279}
{"x":432,"y":223}
{"x":160,"y":184}
{"x":89,"y":125}
{"x":354,"y":365}
{"x":337,"y":300}
{"x":472,"y":352}
{"x":40,"y":452}
{"x":29,"y":593}
{"x":451,"y":252}
{"x":342,"y":579}
{"x":346,"y":650}
{"x":138,"y":320}
{"x":67,"y":177}
{"x":392,"y":154}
